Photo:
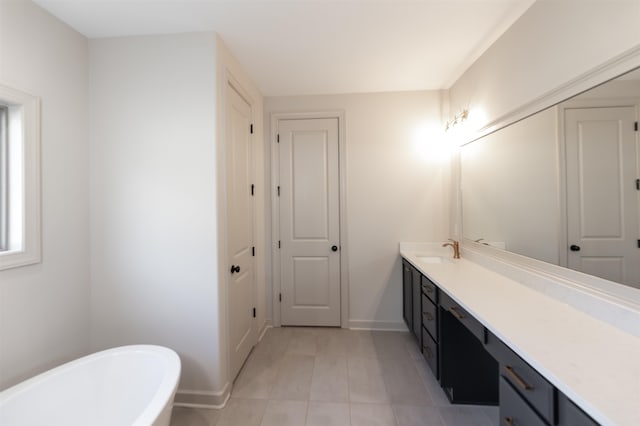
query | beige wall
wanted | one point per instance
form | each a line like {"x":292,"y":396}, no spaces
{"x":396,"y":177}
{"x":554,"y":42}
{"x":153,"y":205}
{"x":44,"y":308}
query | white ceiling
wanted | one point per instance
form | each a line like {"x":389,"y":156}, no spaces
{"x":294,"y":47}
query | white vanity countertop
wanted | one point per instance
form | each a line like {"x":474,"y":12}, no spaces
{"x":592,"y":362}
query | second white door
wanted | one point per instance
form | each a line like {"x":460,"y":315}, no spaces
{"x":309,"y":221}
{"x":602,"y":200}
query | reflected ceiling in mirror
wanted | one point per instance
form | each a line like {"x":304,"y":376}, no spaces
{"x":561,"y":185}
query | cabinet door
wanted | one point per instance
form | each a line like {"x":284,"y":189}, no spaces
{"x":407,"y":294}
{"x":570,"y":415}
{"x":417,"y":305}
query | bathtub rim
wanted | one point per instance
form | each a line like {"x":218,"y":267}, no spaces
{"x":162,"y":397}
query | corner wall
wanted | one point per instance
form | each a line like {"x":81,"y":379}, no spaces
{"x":44,"y":308}
{"x":553,"y":42}
{"x":153,"y":199}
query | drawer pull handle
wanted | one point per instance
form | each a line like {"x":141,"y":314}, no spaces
{"x":456,"y":313}
{"x":516,"y":378}
{"x":427,"y":316}
{"x":427,"y":289}
{"x":427,"y":351}
{"x":508,"y":421}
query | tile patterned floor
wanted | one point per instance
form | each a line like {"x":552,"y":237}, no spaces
{"x":328,"y":376}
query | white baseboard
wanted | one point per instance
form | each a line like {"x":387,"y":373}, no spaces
{"x":377,"y":325}
{"x":266,"y":326}
{"x":202,"y":399}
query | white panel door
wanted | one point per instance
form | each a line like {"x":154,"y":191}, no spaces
{"x":309,"y":222}
{"x":602,"y":199}
{"x":239,"y":166}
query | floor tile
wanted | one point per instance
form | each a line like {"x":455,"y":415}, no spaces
{"x":492,"y":413}
{"x":302,"y":342}
{"x":330,"y":379}
{"x":294,"y":378}
{"x":328,"y":414}
{"x":366,"y":383}
{"x":403,"y":384}
{"x":187,"y":416}
{"x":274,"y":343}
{"x":436,"y":393}
{"x":415,"y":415}
{"x":285,"y":413}
{"x":332,"y":342}
{"x":456,"y":415}
{"x":245,"y":412}
{"x":391,"y":344}
{"x":361,"y":344}
{"x":257,"y":378}
{"x":372,"y":415}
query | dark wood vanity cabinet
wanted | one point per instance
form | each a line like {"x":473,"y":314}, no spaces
{"x":522,"y":381}
{"x":468,"y":373}
{"x":569,"y":414}
{"x":473,"y":366}
{"x":430,"y":348}
{"x":411,"y":300}
{"x":407,"y":294}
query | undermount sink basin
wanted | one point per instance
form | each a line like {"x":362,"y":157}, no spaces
{"x":434,"y":259}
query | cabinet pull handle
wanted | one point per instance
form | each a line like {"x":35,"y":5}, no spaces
{"x":508,"y":421}
{"x":456,"y":313}
{"x":427,"y":316}
{"x":427,"y":289}
{"x":516,"y":378}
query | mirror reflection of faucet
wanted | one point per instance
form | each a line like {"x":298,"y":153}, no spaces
{"x":480,"y":239}
{"x":456,"y":248}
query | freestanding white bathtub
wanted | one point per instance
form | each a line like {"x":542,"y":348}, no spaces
{"x":129,"y":385}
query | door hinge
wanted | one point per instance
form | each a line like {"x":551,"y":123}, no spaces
{"x":254,"y":312}
{"x":280,"y":297}
{"x":635,"y":126}
{"x":253,"y":251}
{"x":638,"y":243}
{"x":278,"y":190}
{"x":278,"y":138}
{"x":279,"y":245}
{"x":252,"y":188}
{"x":638,"y":184}
{"x":251,"y":129}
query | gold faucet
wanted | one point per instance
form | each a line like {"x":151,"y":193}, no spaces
{"x":456,"y":248}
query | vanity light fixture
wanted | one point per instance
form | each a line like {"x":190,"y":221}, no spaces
{"x":457,"y":119}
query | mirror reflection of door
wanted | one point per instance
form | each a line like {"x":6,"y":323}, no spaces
{"x":602,"y":197}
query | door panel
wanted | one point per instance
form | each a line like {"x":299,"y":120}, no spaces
{"x":602,"y":203}
{"x":310,"y":275}
{"x":309,"y":222}
{"x":239,"y":164}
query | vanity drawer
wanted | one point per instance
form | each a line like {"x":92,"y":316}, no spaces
{"x":534,"y":388}
{"x":570,"y":414}
{"x":514,"y":411}
{"x":430,"y":352}
{"x":429,"y":318}
{"x":449,"y":305}
{"x":429,"y":289}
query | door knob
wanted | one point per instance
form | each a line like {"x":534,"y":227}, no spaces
{"x":334,"y":248}
{"x":574,"y":247}
{"x":235,"y":268}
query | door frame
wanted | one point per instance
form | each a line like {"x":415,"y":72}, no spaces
{"x":276,"y":276}
{"x":634,"y":102}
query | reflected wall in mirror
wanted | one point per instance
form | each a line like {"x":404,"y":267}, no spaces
{"x":562,"y":185}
